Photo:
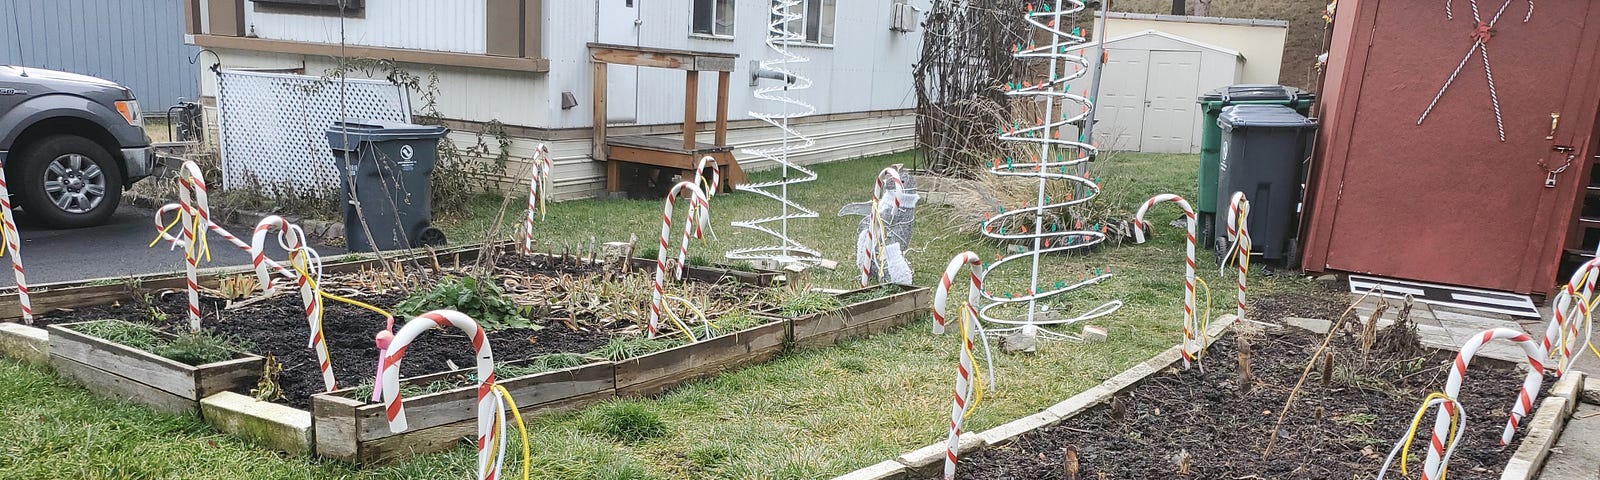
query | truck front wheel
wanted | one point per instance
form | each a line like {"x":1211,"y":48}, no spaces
{"x":67,"y":181}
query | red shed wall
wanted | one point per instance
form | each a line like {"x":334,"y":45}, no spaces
{"x":1447,"y":201}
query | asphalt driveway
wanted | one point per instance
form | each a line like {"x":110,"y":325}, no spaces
{"x":117,"y":249}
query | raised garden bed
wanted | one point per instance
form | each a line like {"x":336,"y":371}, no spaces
{"x":865,"y":311}
{"x":120,"y":371}
{"x":1193,"y":424}
{"x":353,"y":429}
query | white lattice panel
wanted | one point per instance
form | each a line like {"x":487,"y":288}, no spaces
{"x":274,"y":127}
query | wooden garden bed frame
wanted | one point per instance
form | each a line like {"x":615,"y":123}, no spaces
{"x":355,"y":431}
{"x":119,"y":371}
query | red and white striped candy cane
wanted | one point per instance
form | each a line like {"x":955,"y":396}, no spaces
{"x":710,"y":187}
{"x":161,"y":223}
{"x":1239,"y":237}
{"x":538,"y":191}
{"x":876,"y":232}
{"x":192,"y":199}
{"x":292,"y":239}
{"x":699,"y":213}
{"x":14,"y":245}
{"x":1531,"y":384}
{"x":961,"y":399}
{"x":1193,"y":340}
{"x":1570,"y":316}
{"x":489,"y":462}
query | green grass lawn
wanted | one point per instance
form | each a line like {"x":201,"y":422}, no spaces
{"x":812,"y":414}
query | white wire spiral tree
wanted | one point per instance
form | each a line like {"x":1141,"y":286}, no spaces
{"x":1057,"y":157}
{"x":787,"y":249}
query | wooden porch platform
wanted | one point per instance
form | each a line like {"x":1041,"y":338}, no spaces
{"x":667,"y":153}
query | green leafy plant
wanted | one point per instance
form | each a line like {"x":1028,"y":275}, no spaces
{"x":735,"y":321}
{"x":629,"y":422}
{"x":198,"y":348}
{"x":623,"y":348}
{"x":481,"y":300}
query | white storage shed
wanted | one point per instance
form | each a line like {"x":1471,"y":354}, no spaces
{"x":1152,"y":80}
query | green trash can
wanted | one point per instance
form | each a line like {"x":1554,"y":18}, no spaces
{"x":1211,"y":105}
{"x":387,"y":170}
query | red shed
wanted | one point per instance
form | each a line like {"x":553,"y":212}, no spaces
{"x":1446,"y":200}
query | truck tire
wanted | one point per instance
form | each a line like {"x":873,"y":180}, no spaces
{"x":67,"y":181}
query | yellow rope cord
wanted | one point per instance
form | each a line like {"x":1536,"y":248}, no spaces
{"x":164,"y":231}
{"x":1205,"y":322}
{"x":977,"y":374}
{"x":521,"y":427}
{"x":1411,"y":434}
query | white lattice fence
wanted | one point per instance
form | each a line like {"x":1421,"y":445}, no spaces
{"x":273,"y":127}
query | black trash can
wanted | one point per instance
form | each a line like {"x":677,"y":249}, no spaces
{"x":386,"y":170}
{"x":1264,"y":152}
{"x":1211,"y":105}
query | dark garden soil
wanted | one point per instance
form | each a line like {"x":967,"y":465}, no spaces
{"x":278,"y":327}
{"x":1339,"y":430}
{"x":1319,"y":303}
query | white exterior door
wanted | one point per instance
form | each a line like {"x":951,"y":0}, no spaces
{"x":1119,"y":119}
{"x":1170,"y":113}
{"x":618,"y":23}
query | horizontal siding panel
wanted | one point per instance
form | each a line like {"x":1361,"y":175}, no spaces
{"x":136,"y":44}
{"x":577,"y":175}
{"x":439,"y":25}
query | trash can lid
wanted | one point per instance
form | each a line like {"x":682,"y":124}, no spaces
{"x":1262,"y":116}
{"x":349,"y":134}
{"x":1256,"y":92}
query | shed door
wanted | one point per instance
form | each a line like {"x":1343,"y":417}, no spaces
{"x":1120,"y":115}
{"x":617,"y":25}
{"x":1447,"y":201}
{"x":1169,"y":113}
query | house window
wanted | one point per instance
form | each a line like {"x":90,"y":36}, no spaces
{"x":713,"y":17}
{"x":815,"y":25}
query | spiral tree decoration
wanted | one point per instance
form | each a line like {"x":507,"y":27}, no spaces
{"x":787,"y":249}
{"x":1056,"y":159}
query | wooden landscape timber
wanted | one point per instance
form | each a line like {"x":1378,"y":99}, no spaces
{"x":656,"y":372}
{"x":867,"y":317}
{"x":355,"y":430}
{"x":119,"y":371}
{"x":763,"y":278}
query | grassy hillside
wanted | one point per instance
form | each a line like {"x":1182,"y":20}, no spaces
{"x":1301,"y":48}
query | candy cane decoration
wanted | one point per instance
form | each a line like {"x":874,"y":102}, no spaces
{"x":965,"y":395}
{"x":699,"y":214}
{"x":1436,"y":399}
{"x":1569,"y":315}
{"x":13,"y":242}
{"x":293,"y":240}
{"x":162,"y":227}
{"x":1239,"y":236}
{"x":876,"y":230}
{"x":787,"y":249}
{"x":1433,"y":468}
{"x":192,"y":208}
{"x":538,"y":191}
{"x":715,"y":183}
{"x":491,"y":412}
{"x":1048,"y":153}
{"x":1193,"y":333}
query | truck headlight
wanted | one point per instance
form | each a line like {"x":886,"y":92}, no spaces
{"x":130,"y":112}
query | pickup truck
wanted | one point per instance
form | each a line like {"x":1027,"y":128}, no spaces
{"x":69,"y":145}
